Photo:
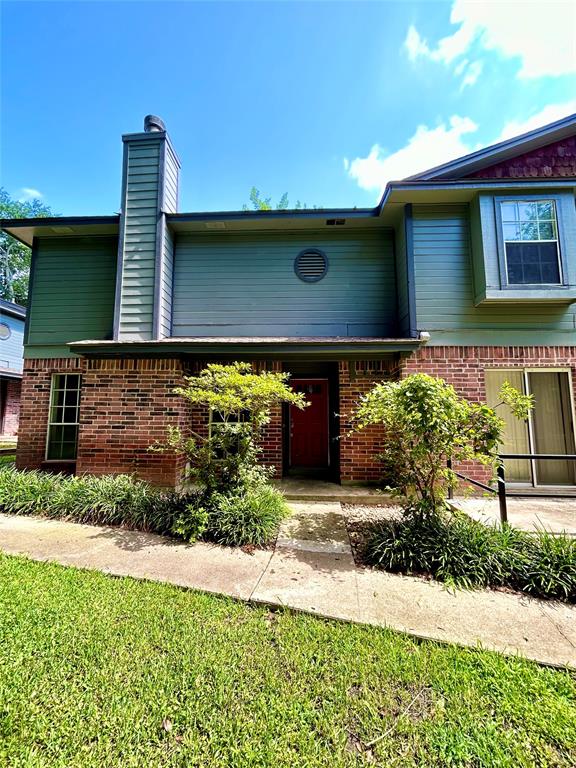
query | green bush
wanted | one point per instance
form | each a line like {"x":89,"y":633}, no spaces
{"x":465,"y":553}
{"x":192,"y":522}
{"x":248,"y":515}
{"x":105,"y":500}
{"x":251,"y":516}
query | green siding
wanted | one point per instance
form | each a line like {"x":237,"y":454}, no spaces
{"x":72,"y":295}
{"x":140,"y":206}
{"x":445,"y":290}
{"x":167,"y":274}
{"x":245,"y":285}
{"x":402,"y":280}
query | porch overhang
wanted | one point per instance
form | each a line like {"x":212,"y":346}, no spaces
{"x":254,"y":348}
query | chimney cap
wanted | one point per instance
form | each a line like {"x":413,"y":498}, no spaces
{"x":153,"y":124}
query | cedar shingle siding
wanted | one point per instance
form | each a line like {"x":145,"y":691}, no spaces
{"x":554,"y":160}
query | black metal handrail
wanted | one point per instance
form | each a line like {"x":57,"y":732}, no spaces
{"x":500,"y":491}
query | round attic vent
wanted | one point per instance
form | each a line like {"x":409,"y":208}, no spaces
{"x":5,"y":331}
{"x":311,"y":265}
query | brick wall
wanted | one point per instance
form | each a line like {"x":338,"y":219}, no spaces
{"x":11,"y":408}
{"x":554,"y":160}
{"x":464,"y":367}
{"x":125,"y":406}
{"x":358,"y":451}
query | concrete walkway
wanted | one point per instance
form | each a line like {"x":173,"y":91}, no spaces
{"x":312,"y":570}
{"x":529,"y":513}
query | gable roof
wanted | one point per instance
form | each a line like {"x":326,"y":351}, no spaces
{"x":504,"y":150}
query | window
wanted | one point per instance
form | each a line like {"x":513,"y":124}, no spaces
{"x":549,"y":429}
{"x":530,"y":235}
{"x":229,"y":442}
{"x":5,"y":332}
{"x":64,"y":417}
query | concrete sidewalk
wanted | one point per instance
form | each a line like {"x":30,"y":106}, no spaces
{"x":312,"y":570}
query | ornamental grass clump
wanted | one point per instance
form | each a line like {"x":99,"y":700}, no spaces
{"x":99,"y":500}
{"x":462,"y":552}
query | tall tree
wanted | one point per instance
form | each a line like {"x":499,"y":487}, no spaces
{"x":14,"y":256}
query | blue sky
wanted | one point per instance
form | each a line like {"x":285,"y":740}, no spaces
{"x":325,"y":101}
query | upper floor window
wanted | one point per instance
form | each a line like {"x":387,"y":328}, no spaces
{"x":530,"y":235}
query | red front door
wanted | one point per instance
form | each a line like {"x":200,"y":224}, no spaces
{"x":309,"y":441}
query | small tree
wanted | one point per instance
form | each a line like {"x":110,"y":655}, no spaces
{"x":239,"y":403}
{"x":426,"y":423}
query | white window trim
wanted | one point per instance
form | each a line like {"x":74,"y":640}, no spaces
{"x":556,"y":240}
{"x":61,"y":423}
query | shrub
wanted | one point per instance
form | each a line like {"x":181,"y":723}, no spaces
{"x":106,"y":500}
{"x":251,"y":516}
{"x":548,"y":566}
{"x":240,"y":403}
{"x":192,"y":522}
{"x":465,"y":553}
{"x":426,"y":424}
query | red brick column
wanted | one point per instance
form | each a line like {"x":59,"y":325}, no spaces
{"x":11,"y":408}
{"x":34,"y":405}
{"x":359,"y":450}
{"x":125,"y":406}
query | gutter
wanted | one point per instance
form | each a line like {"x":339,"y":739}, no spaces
{"x":329,"y":348}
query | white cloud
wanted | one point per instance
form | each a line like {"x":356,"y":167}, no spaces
{"x":28,"y":193}
{"x":415,"y":45}
{"x":429,"y":147}
{"x":426,"y":148}
{"x":538,"y":32}
{"x":472,"y":73}
{"x":549,"y":114}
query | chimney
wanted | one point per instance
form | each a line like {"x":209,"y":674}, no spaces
{"x":145,"y":248}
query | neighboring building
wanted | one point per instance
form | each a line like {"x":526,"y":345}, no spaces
{"x":12,"y":317}
{"x":466,"y":271}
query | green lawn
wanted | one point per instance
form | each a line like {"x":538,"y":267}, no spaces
{"x":92,"y":666}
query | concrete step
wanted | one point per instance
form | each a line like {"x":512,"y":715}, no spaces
{"x":321,"y":491}
{"x":315,"y":527}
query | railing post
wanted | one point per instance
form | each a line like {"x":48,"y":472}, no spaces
{"x":502,"y":494}
{"x":450,"y":489}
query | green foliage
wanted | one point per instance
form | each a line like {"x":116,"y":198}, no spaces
{"x":426,"y":423}
{"x":192,"y":522}
{"x":520,"y":405}
{"x":465,"y":553}
{"x":104,"y":500}
{"x":240,"y":402}
{"x":14,"y":256}
{"x":259,"y":203}
{"x":233,"y":488}
{"x":250,"y":516}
